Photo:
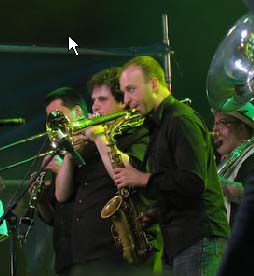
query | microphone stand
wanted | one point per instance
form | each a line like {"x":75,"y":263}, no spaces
{"x":12,"y":218}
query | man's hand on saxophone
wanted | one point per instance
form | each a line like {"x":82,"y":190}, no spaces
{"x":151,"y":216}
{"x":98,"y":135}
{"x":130,"y":177}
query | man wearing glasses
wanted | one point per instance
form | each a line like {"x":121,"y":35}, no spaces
{"x":233,"y":131}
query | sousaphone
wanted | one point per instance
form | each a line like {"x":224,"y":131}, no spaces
{"x":230,"y":79}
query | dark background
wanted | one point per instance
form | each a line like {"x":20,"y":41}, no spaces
{"x":196,"y":27}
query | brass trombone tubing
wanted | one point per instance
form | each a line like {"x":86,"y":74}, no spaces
{"x":79,"y":125}
{"x":37,"y":136}
{"x":76,"y":127}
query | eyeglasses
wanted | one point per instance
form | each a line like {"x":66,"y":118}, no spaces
{"x":223,"y":123}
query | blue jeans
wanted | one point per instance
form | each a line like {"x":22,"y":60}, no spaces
{"x":201,"y":259}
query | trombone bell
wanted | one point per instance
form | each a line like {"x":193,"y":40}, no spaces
{"x":59,"y":121}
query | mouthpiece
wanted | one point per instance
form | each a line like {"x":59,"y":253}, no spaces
{"x":214,"y":134}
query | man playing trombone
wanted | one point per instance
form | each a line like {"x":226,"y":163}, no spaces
{"x":82,"y":239}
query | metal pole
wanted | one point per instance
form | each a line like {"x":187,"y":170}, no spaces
{"x":124,"y":52}
{"x":167,"y":62}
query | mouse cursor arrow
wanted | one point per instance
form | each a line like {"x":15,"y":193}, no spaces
{"x":73,"y":44}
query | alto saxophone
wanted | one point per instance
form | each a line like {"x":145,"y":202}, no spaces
{"x":126,"y":228}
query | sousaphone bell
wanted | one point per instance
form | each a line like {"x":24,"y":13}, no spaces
{"x":230,"y":79}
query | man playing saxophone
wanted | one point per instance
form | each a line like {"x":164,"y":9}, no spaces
{"x":234,"y":146}
{"x":90,"y":247}
{"x":182,"y":172}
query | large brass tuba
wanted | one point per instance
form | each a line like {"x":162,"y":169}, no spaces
{"x":230,"y":79}
{"x":228,"y":170}
{"x":126,"y":229}
{"x":228,"y":165}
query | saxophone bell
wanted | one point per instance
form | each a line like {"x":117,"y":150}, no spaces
{"x":111,"y":207}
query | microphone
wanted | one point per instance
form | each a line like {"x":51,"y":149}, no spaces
{"x":65,"y":143}
{"x":12,"y":122}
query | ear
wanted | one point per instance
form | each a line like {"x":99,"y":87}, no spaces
{"x":155,"y":84}
{"x":78,"y":111}
{"x":242,"y":132}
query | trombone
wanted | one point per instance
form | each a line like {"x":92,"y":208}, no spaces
{"x":58,"y":122}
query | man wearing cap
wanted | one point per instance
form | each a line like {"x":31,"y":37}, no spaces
{"x":232,"y":130}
